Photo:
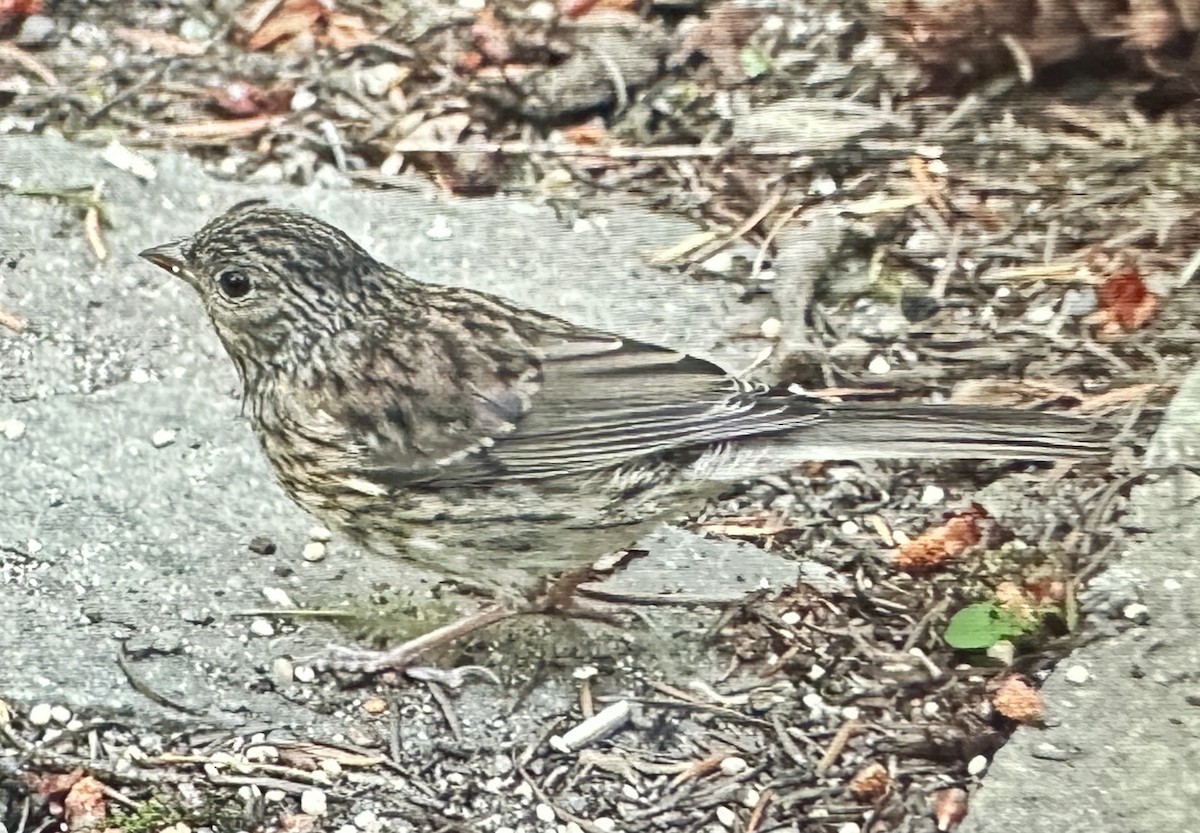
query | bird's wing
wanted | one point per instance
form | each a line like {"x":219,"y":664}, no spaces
{"x":604,"y":401}
{"x":596,"y":401}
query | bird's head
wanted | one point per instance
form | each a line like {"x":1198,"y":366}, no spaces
{"x":272,"y":280}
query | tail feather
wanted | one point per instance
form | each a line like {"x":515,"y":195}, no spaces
{"x":863,"y":431}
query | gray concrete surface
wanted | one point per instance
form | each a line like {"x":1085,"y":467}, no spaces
{"x":1121,"y":749}
{"x":106,"y":538}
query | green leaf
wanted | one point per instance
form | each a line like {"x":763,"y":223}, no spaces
{"x":982,"y":625}
{"x":754,"y":62}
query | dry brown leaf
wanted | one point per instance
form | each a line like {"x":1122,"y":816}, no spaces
{"x":589,"y":134}
{"x":1015,"y":600}
{"x":241,"y":98}
{"x":950,"y":540}
{"x":302,"y":24}
{"x":949,"y":808}
{"x":346,"y":31}
{"x":1017,"y":700}
{"x":1126,"y":301}
{"x":19,"y":8}
{"x":491,"y":37}
{"x":85,"y":805}
{"x":870,"y":783}
{"x":289,"y":19}
{"x":49,"y":783}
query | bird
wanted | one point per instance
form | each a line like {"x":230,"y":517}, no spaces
{"x":502,"y":446}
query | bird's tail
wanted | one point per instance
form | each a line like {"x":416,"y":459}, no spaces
{"x":864,"y":431}
{"x":906,"y":430}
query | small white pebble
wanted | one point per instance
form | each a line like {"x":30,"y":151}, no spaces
{"x":13,"y":428}
{"x":791,"y":617}
{"x":304,"y":674}
{"x":1136,"y":612}
{"x":283,"y":671}
{"x":1040,"y":315}
{"x":851,"y":712}
{"x":332,"y":768}
{"x":163,"y":437}
{"x":60,"y":714}
{"x":572,"y":827}
{"x":977,"y":765}
{"x":772,"y":328}
{"x":365,"y":820}
{"x":139,"y":376}
{"x":261,"y":627}
{"x":392,"y":165}
{"x":262,"y":753}
{"x":313,"y":551}
{"x":278,"y":597}
{"x":813,"y":700}
{"x":733,"y":765}
{"x":523,"y":790}
{"x":931,"y":708}
{"x":849,"y":827}
{"x":313,"y":802}
{"x":850,"y":528}
{"x":320,"y":533}
{"x":630,"y":792}
{"x":604,"y":823}
{"x":41,"y":714}
{"x":726,"y":816}
{"x":544,"y":812}
{"x":720,"y":263}
{"x":302,"y":99}
{"x":816,"y":672}
{"x":879,"y":366}
{"x":750,"y":798}
{"x":933,"y":495}
{"x":585,"y":672}
{"x":274,"y":796}
{"x":1172,"y":584}
{"x":439,"y":228}
{"x":34,"y":546}
{"x":1002,"y":651}
{"x":1078,"y":674}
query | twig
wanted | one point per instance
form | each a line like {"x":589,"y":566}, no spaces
{"x":760,"y":811}
{"x":770,"y":238}
{"x":27,"y":61}
{"x":443,"y":700}
{"x":837,"y":746}
{"x":520,"y":148}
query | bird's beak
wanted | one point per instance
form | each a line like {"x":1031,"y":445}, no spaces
{"x":169,"y":256}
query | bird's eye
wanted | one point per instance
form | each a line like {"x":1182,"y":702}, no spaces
{"x":234,"y":284}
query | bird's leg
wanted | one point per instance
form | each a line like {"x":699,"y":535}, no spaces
{"x":404,"y":656}
{"x":560,"y":599}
